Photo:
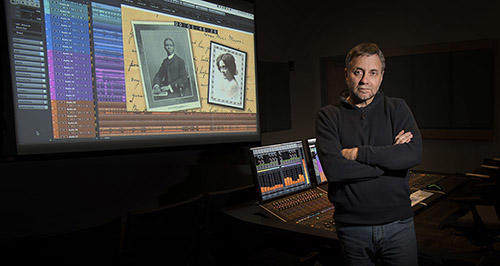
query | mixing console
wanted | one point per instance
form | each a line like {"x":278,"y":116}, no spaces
{"x":427,"y":187}
{"x":422,"y":180}
{"x":310,"y":208}
{"x":322,"y":219}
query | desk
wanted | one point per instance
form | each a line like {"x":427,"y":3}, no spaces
{"x":270,"y":241}
{"x":436,"y":246}
{"x":252,"y":213}
{"x":446,"y":246}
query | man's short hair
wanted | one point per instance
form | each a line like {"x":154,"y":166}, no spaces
{"x":364,"y":49}
{"x":168,"y":38}
{"x":229,"y":61}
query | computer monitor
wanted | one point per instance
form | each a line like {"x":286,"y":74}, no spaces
{"x":313,"y":154}
{"x":280,"y":169}
{"x":90,"y":75}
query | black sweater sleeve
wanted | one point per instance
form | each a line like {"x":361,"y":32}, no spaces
{"x":396,"y":157}
{"x":158,"y":76}
{"x":336,"y":167}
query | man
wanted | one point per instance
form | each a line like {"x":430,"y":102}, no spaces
{"x":171,"y":78}
{"x":366,"y":145}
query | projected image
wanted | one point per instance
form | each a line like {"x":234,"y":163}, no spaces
{"x":239,"y":44}
{"x":179,"y":116}
{"x":227,"y":76}
{"x":130,"y":74}
{"x":166,"y":66}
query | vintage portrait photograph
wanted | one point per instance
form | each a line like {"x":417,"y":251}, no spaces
{"x":226,"y":83}
{"x":167,"y":67}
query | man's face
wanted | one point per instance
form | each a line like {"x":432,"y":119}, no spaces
{"x":363,"y":78}
{"x":169,"y":46}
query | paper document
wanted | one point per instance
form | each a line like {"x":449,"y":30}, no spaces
{"x":418,"y":196}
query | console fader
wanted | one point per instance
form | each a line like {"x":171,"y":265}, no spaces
{"x":310,"y":208}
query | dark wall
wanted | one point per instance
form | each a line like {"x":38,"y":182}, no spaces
{"x":304,"y":33}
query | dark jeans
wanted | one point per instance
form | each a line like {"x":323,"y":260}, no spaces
{"x":388,"y":244}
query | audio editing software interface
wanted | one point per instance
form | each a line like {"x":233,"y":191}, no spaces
{"x":81,"y":69}
{"x":318,"y":170}
{"x":285,"y":188}
{"x":281,"y":169}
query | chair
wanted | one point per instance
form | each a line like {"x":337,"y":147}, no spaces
{"x":479,"y":215}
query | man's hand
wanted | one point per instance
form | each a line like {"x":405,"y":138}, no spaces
{"x":156,"y":89}
{"x":167,"y":88}
{"x":350,"y":154}
{"x":403,"y":137}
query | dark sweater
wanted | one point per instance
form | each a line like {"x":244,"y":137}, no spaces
{"x":172,"y":72}
{"x":373,"y":189}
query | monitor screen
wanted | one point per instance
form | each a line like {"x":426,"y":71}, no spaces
{"x":99,"y":75}
{"x":280,"y":169}
{"x":318,"y":170}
